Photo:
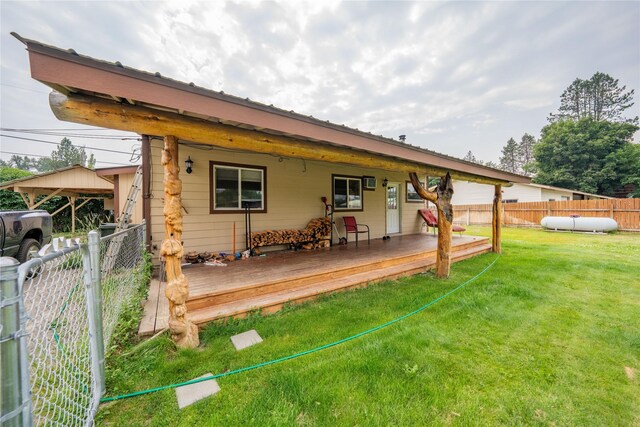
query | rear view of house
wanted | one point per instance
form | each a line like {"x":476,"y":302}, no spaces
{"x":238,"y":153}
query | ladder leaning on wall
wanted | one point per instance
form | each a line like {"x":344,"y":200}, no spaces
{"x":125,"y":217}
{"x":123,"y":221}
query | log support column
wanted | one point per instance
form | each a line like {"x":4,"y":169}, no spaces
{"x":496,"y":223}
{"x":183,"y":332}
{"x":442,"y":199}
{"x":72,"y":202}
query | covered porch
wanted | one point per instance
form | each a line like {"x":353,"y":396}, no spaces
{"x":266,"y":283}
{"x":281,"y":161}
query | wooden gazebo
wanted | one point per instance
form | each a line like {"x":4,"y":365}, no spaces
{"x":77,"y":183}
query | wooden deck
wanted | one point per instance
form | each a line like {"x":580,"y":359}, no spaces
{"x":267,"y":282}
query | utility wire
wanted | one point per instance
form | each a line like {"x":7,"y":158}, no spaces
{"x":71,"y":135}
{"x":91,"y":129}
{"x":57,"y":143}
{"x":24,"y":88}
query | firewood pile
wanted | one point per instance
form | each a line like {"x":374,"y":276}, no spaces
{"x":315,"y":235}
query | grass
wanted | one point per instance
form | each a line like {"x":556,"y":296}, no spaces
{"x":543,"y":338}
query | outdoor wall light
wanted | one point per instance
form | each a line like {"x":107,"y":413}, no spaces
{"x":189,"y":165}
{"x":385,"y":182}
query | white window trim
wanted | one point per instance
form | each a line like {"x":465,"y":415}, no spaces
{"x":238,"y":169}
{"x":333,"y":194}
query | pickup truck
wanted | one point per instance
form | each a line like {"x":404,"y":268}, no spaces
{"x":22,"y":233}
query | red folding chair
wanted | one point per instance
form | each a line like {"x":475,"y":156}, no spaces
{"x":351,"y":226}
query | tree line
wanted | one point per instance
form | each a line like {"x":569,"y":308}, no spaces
{"x":65,"y":155}
{"x":587,"y":145}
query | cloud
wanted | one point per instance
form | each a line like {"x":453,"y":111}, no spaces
{"x":452,"y":76}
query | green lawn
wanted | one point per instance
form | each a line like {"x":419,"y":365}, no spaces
{"x":542,"y":338}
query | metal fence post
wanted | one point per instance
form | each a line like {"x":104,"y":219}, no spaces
{"x":91,"y":267}
{"x":96,"y":281}
{"x":15,"y":408}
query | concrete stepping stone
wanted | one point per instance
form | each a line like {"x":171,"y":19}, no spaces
{"x":246,"y":339}
{"x":188,"y":394}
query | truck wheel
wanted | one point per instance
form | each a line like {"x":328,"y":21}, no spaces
{"x":29,"y":249}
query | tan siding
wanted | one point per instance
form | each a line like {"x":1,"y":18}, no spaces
{"x":294,"y":189}
{"x":73,"y":178}
{"x":125,"y":182}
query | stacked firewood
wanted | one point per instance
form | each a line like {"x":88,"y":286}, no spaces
{"x":315,"y":235}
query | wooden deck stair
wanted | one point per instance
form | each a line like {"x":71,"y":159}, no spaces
{"x":270,"y":296}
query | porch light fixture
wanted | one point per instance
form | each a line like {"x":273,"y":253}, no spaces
{"x":385,"y":182}
{"x":189,"y":165}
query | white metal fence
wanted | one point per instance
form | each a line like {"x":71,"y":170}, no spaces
{"x":59,"y":312}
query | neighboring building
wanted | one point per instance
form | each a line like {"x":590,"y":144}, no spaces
{"x":469,"y":193}
{"x":122,"y":178}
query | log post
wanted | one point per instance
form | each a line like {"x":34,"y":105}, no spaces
{"x":72,"y":202}
{"x":442,"y":199}
{"x":496,"y":223}
{"x":183,"y":332}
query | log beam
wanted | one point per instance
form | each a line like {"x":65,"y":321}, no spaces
{"x":146,"y":121}
{"x":442,"y":199}
{"x":183,"y":332}
{"x":496,"y":222}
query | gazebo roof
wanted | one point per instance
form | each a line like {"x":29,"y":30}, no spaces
{"x":72,"y":181}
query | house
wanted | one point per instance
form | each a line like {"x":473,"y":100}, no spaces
{"x":122,"y":178}
{"x":77,"y":183}
{"x":468,"y":193}
{"x":278,"y":163}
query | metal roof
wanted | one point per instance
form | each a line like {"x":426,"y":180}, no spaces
{"x":406,"y":151}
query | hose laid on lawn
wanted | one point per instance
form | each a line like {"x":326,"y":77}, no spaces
{"x":302,"y":353}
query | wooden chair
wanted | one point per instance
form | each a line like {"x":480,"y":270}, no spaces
{"x":432,"y":221}
{"x":351,"y":226}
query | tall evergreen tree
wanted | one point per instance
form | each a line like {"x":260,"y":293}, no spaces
{"x":470,"y":157}
{"x":509,"y":159}
{"x":65,"y":155}
{"x":599,"y":98}
{"x":525,"y":154}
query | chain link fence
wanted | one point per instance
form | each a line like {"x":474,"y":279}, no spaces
{"x":67,"y":304}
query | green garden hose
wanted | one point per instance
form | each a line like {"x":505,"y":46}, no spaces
{"x":302,"y":353}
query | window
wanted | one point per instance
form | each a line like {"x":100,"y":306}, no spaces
{"x":233,"y":187}
{"x":510,"y":201}
{"x":412,"y":195}
{"x":347,"y":193}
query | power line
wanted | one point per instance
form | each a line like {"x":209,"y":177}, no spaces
{"x":71,"y":135}
{"x":91,"y":129}
{"x":57,"y":143}
{"x":24,"y":88}
{"x":40,"y":155}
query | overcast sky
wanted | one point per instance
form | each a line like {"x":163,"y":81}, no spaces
{"x":452,"y":76}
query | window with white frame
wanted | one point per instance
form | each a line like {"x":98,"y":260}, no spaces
{"x":234,"y":187}
{"x":347,"y":193}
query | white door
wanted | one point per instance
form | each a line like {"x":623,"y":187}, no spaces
{"x":393,"y":208}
